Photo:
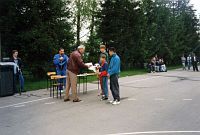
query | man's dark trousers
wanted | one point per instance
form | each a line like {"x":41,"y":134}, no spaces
{"x":195,"y":66}
{"x":114,"y":86}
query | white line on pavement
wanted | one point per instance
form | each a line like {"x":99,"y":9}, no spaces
{"x":50,"y":103}
{"x":159,"y":99}
{"x":141,"y":80}
{"x":121,"y":83}
{"x":187,"y":99}
{"x":132,"y":99}
{"x":88,"y":90}
{"x":155,"y":132}
{"x":24,"y":102}
{"x":19,"y":106}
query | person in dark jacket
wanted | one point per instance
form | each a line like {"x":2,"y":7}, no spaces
{"x":18,"y":75}
{"x":74,"y":65}
{"x":113,"y":73}
{"x":195,"y":63}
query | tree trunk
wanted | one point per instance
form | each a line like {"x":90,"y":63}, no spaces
{"x":92,"y":24}
{"x":78,"y":25}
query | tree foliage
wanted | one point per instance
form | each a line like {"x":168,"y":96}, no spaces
{"x":138,"y":29}
{"x":142,"y":29}
{"x":37,"y":28}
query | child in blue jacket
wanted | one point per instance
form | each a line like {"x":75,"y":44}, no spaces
{"x":104,"y":75}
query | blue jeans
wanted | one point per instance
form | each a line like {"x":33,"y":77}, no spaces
{"x":62,"y":73}
{"x":21,"y":81}
{"x":105,"y":85}
{"x":189,"y":64}
{"x":18,"y":77}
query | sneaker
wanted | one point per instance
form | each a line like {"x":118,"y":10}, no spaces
{"x":116,"y":102}
{"x":66,"y":100}
{"x":77,"y":100}
{"x":104,"y":98}
{"x":111,"y":101}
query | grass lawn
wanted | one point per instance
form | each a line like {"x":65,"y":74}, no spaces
{"x":31,"y":84}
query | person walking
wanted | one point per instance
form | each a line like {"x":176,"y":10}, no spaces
{"x":195,"y":62}
{"x":73,"y":68}
{"x":113,"y":73}
{"x":60,"y":61}
{"x":183,"y":60}
{"x":18,"y":75}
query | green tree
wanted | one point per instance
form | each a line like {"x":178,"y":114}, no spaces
{"x":120,"y":27}
{"x":37,"y":28}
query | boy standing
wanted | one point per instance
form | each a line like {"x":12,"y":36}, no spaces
{"x":102,"y":53}
{"x":104,"y":76}
{"x":113,"y":73}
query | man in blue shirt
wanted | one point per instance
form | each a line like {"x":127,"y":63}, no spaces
{"x":60,"y":61}
{"x":113,"y":73}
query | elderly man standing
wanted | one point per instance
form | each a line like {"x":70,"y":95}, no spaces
{"x":75,"y":63}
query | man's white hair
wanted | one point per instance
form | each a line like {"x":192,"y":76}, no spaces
{"x":81,"y":47}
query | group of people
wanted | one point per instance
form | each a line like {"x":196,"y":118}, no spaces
{"x":156,"y":64}
{"x":71,"y":66}
{"x":190,"y":61}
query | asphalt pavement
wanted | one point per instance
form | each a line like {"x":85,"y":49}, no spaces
{"x":159,"y":103}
